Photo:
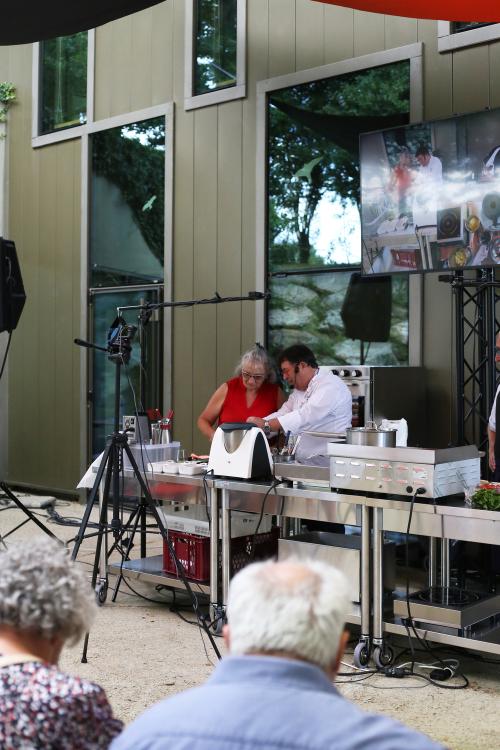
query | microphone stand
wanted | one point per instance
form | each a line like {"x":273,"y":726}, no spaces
{"x":110,"y":469}
{"x":112,"y":462}
{"x":147,"y":309}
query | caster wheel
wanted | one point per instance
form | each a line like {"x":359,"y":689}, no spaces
{"x":101,"y":592}
{"x":383,"y":656}
{"x":361,"y":655}
{"x":219,"y":621}
{"x":218,"y":625}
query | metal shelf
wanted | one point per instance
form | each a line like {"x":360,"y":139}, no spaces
{"x":489,"y":643}
{"x":149,"y":569}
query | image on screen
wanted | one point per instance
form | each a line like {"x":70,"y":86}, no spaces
{"x":430,"y":195}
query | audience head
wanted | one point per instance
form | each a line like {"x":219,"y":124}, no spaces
{"x":295,"y":609}
{"x":43,"y":594}
{"x":256,"y":361}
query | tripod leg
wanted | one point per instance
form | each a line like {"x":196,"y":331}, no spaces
{"x":105,"y":464}
{"x":85,"y":647}
{"x":136,"y":516}
{"x":97,"y":557}
{"x":27,"y":512}
{"x":164,"y":533}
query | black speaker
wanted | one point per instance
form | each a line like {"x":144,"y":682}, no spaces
{"x":449,"y":224}
{"x":12,"y":295}
{"x":367,"y":307}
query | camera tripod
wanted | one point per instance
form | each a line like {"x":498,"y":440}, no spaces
{"x":110,"y":468}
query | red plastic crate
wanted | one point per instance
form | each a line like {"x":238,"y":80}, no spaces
{"x":194,"y":552}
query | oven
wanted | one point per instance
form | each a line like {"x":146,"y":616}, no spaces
{"x":387,"y":393}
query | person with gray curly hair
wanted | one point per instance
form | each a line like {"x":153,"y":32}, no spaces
{"x":45,"y":602}
{"x":285,"y":638}
{"x":252,"y":389}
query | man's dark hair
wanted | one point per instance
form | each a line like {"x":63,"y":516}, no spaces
{"x":422,"y":150}
{"x":298,"y":353}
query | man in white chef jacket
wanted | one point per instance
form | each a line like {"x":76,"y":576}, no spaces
{"x":320,"y":402}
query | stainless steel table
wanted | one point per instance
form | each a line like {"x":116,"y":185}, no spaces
{"x":450,"y":520}
{"x":175,"y":489}
{"x":305,"y":501}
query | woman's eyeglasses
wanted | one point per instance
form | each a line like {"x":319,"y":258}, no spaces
{"x":250,"y":376}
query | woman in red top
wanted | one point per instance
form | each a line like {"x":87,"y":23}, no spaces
{"x":252,"y":392}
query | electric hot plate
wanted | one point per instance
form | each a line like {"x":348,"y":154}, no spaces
{"x":448,"y":606}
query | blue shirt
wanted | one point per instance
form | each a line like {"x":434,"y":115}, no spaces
{"x":266,"y":703}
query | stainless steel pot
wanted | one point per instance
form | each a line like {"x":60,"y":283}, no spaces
{"x":371,"y":435}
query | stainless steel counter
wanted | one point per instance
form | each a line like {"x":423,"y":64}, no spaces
{"x":301,"y":501}
{"x":442,"y":522}
{"x":309,"y":497}
{"x":174,"y":489}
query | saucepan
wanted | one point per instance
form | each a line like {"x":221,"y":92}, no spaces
{"x":371,"y":435}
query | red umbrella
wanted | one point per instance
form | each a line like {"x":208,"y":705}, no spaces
{"x":443,"y":10}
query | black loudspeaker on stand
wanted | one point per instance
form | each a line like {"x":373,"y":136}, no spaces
{"x":119,"y":349}
{"x":12,"y":300}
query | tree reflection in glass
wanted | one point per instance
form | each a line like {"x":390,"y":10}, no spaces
{"x":63,"y":82}
{"x":215,"y":45}
{"x":313,"y":166}
{"x":127,"y":204}
{"x":314,"y":231}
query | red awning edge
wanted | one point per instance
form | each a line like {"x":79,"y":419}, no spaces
{"x":443,"y":10}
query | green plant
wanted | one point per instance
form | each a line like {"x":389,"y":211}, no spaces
{"x":7,"y":97}
{"x":487,"y":499}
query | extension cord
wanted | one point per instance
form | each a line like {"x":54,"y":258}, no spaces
{"x":397,"y":672}
{"x":441,"y":675}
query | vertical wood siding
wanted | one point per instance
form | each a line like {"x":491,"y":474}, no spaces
{"x":140,"y":63}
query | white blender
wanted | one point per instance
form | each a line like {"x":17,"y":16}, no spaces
{"x":240,"y":450}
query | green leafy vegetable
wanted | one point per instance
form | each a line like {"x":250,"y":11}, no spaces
{"x":486,"y":499}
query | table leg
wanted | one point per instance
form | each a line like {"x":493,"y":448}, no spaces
{"x":445,"y":563}
{"x":365,"y":573}
{"x":378,"y":587}
{"x":214,"y":552}
{"x":226,"y":546}
{"x":432,"y":561}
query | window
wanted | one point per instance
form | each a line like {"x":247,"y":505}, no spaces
{"x":128,"y":202}
{"x":457,"y":34}
{"x":215,"y":51}
{"x":127,"y":199}
{"x":313,"y":238}
{"x":63,"y":83}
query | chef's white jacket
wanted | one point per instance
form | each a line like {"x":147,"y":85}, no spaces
{"x":325,"y":406}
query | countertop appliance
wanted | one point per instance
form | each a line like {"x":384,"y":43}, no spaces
{"x":403,"y":471}
{"x":448,"y":607}
{"x":240,"y":450}
{"x":387,"y":393}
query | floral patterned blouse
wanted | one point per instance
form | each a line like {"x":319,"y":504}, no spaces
{"x":42,"y":708}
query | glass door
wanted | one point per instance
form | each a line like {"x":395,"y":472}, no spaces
{"x":141,"y":380}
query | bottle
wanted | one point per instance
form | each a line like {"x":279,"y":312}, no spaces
{"x":165,"y":437}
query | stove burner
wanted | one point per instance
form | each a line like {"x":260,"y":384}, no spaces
{"x":446,"y":597}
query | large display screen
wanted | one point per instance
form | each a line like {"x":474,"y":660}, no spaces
{"x":430,"y":195}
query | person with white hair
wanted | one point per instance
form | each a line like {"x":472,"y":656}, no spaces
{"x":45,"y":601}
{"x":286,"y":638}
{"x":252,"y":390}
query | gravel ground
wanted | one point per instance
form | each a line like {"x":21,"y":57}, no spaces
{"x":141,"y":652}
